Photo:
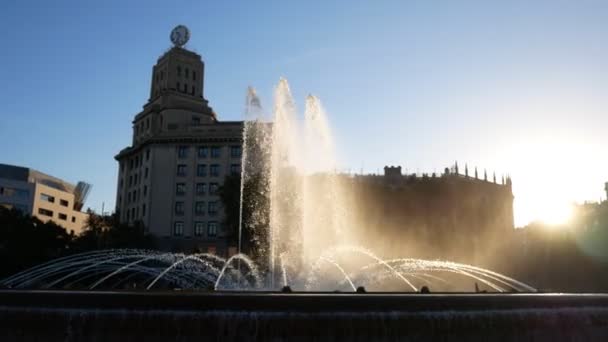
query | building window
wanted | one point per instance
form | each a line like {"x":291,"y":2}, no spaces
{"x":177,"y":86}
{"x":212,"y":208}
{"x":181,"y":170}
{"x":179,"y":70}
{"x":212,"y":229}
{"x":135,"y":179}
{"x":200,"y":188}
{"x":178,"y":228}
{"x":215,"y":152}
{"x":10,"y":192}
{"x":213,"y":187}
{"x":146,"y":173}
{"x":64,"y":203}
{"x":199,"y":208}
{"x":63,"y":217}
{"x":193,"y":90}
{"x":182,"y":151}
{"x":129,"y":197}
{"x":235,"y":169}
{"x":45,"y":212}
{"x":185,"y":88}
{"x":145,"y":190}
{"x":143,"y":210}
{"x":179,"y":208}
{"x":193,"y":75}
{"x":147,"y":154}
{"x":198,"y":228}
{"x":187,"y":72}
{"x":162,"y":75}
{"x":196,"y":120}
{"x":236,"y":151}
{"x":74,"y":218}
{"x":201,"y":170}
{"x":180,"y":189}
{"x":214,"y":170}
{"x":47,"y":198}
{"x":203,"y":152}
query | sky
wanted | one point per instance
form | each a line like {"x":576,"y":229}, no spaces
{"x":514,"y":87}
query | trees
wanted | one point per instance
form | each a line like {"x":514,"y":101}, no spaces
{"x":106,"y":232}
{"x":255,"y":215}
{"x":26,"y":241}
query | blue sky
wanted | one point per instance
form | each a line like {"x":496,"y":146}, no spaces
{"x":516,"y":86}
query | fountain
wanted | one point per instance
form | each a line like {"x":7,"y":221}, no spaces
{"x":294,"y":210}
{"x":295,"y":225}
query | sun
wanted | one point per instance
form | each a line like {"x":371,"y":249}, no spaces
{"x":555,"y":214}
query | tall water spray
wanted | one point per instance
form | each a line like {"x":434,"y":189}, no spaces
{"x":254,"y":194}
{"x":306,"y":206}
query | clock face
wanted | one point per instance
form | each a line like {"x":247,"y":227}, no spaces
{"x":180,"y":35}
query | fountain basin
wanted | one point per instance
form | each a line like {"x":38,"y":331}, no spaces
{"x":226,"y":316}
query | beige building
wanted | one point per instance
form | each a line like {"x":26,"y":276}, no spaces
{"x":180,"y":154}
{"x":43,"y":196}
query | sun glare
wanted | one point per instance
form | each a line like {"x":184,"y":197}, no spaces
{"x":555,"y":214}
{"x":542,"y":170}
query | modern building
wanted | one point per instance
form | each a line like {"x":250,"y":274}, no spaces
{"x":180,"y":154}
{"x":43,"y":196}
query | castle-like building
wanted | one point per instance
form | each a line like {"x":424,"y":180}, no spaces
{"x":180,"y":154}
{"x":455,"y":215}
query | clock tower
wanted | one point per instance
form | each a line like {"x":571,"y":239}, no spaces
{"x":180,"y":154}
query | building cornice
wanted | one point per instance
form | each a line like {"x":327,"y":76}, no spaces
{"x":173,"y":140}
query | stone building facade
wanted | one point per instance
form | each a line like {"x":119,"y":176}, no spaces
{"x":180,"y":155}
{"x":453,"y":216}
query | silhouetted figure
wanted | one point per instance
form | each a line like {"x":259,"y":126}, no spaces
{"x":286,"y":289}
{"x":361,"y":289}
{"x":425,"y":289}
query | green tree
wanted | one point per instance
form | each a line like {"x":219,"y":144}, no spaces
{"x":255,"y":215}
{"x":26,"y":241}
